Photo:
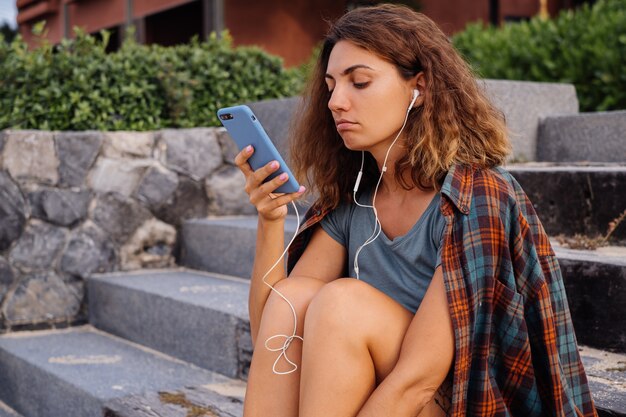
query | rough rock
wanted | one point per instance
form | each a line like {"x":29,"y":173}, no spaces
{"x":30,"y":155}
{"x":38,"y":247}
{"x":118,"y":175}
{"x":6,"y":277}
{"x":77,"y":152}
{"x":12,"y":211}
{"x":226,"y":191}
{"x":189,"y":201}
{"x":119,"y":216}
{"x":229,"y":147}
{"x":89,"y":250}
{"x":151,"y":246}
{"x":193,"y":152}
{"x":122,"y":144}
{"x":157,"y":185}
{"x":42,"y":297}
{"x":59,"y":206}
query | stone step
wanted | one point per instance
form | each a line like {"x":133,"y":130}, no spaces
{"x":224,"y":244}
{"x":83,"y":372}
{"x":575,"y":198}
{"x":597,"y":137}
{"x":197,"y":317}
{"x":178,"y":301}
{"x":595,"y":281}
{"x":6,"y":411}
{"x":606,"y":372}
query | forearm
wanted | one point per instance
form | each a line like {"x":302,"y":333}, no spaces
{"x":270,"y":244}
{"x":394,"y":398}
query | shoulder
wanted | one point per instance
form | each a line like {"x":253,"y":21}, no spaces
{"x":472,"y":188}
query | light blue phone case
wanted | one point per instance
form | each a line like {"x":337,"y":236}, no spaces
{"x":245,"y":129}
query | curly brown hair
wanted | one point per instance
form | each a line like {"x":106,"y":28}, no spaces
{"x":455,"y":124}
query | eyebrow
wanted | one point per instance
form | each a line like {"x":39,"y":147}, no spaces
{"x":350,"y":69}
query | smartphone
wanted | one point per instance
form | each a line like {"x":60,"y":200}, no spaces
{"x":245,"y":129}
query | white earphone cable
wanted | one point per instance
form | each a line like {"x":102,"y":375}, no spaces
{"x":377,"y":225}
{"x":288,"y":339}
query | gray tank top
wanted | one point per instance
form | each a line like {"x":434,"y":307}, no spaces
{"x":403,"y":267}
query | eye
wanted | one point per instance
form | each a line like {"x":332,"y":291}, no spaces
{"x":361,"y":85}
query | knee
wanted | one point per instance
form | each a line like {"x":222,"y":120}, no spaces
{"x":299,"y":291}
{"x":338,"y":303}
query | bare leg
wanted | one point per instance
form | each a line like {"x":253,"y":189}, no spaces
{"x":269,"y":394}
{"x":339,"y":372}
{"x":354,"y":334}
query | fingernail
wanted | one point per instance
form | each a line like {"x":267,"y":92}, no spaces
{"x":249,"y":148}
{"x":283,"y":176}
{"x":301,"y":189}
{"x":274,"y":165}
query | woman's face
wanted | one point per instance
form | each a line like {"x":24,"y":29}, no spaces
{"x":369,"y":98}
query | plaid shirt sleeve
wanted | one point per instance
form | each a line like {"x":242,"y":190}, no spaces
{"x":516,"y":352}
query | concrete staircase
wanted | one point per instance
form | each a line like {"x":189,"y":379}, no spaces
{"x":176,"y":342}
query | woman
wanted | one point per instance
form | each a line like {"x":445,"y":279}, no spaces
{"x":459,"y":307}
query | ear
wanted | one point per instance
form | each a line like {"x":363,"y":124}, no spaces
{"x":419,"y":82}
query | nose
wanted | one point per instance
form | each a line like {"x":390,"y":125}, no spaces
{"x":339,"y":100}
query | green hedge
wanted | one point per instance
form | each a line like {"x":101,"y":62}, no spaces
{"x":586,"y":47}
{"x":78,"y":86}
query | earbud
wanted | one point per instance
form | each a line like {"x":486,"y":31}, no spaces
{"x":416,"y":94}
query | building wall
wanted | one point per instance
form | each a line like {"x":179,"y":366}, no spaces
{"x":144,"y":8}
{"x":94,"y":15}
{"x":452,"y":15}
{"x":288,"y":28}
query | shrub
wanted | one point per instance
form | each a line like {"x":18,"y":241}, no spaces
{"x":76,"y":85}
{"x":586,"y":47}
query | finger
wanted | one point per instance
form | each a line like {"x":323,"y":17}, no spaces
{"x":262,"y":173}
{"x":241,"y":160}
{"x":271,"y":186}
{"x":282,"y":200}
{"x":268,"y":189}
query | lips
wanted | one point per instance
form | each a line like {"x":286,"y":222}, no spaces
{"x":343,"y":124}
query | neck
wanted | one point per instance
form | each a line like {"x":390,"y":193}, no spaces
{"x":388,"y":182}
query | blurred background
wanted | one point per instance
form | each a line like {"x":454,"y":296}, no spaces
{"x":288,"y":28}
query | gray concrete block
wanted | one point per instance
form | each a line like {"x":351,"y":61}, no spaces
{"x":275,"y":116}
{"x":193,"y":316}
{"x":523,"y":104}
{"x":573,"y":198}
{"x":595,"y":137}
{"x":595,"y":282}
{"x":73,"y":372}
{"x":224,"y":245}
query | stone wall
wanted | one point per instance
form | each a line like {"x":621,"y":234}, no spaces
{"x":77,"y":203}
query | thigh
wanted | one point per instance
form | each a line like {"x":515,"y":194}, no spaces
{"x":371,"y":316}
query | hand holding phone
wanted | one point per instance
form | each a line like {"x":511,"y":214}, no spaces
{"x":245,"y":129}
